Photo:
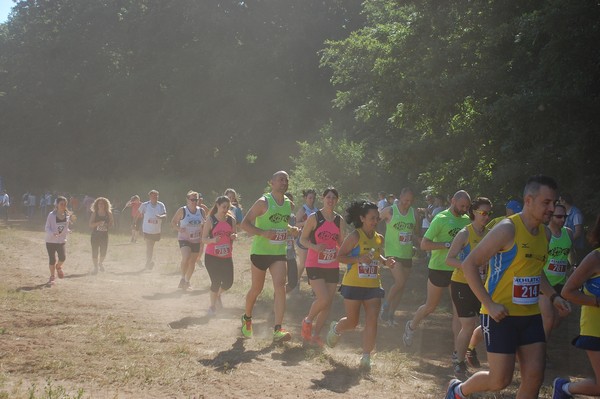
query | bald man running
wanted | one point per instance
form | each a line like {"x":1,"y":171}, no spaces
{"x":444,"y":226}
{"x":267,"y":220}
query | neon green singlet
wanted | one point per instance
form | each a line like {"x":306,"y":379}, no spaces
{"x":398,"y":233}
{"x":443,"y":228}
{"x":558,"y":254}
{"x":276,"y":218}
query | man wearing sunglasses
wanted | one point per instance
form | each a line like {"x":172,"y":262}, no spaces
{"x":517,"y":249}
{"x":152,"y":213}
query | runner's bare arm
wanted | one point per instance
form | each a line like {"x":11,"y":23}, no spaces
{"x":589,"y":266}
{"x":346,"y":248}
{"x":457,"y":245}
{"x":176,"y":218}
{"x":495,"y":241}
{"x":309,"y":226}
{"x":258,"y":208}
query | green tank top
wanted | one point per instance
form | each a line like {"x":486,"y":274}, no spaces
{"x":398,"y":234}
{"x":558,"y":254}
{"x":276,"y":218}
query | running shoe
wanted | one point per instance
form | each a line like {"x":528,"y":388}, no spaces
{"x":332,"y":337}
{"x":383,"y":314}
{"x":557,"y":389}
{"x":182,"y":284}
{"x":281,"y":335}
{"x":246,"y":327}
{"x":211,"y":311}
{"x":188,"y":286}
{"x":60,"y":273}
{"x":407,"y":337}
{"x":100,"y":267}
{"x":392,"y":322}
{"x":365,"y":363}
{"x":94,"y":271}
{"x":454,"y":358}
{"x":472,"y":359}
{"x":306,"y":330}
{"x":460,"y":370}
{"x":52,"y":280}
{"x":450,"y":394}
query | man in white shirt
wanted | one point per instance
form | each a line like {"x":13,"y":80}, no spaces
{"x":153,"y":212}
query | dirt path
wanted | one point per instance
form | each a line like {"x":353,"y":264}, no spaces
{"x":128,"y":333}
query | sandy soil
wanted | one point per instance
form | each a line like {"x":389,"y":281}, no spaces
{"x":129,"y":333}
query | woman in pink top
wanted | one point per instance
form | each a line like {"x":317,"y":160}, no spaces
{"x":218,"y":235}
{"x":322,"y":236}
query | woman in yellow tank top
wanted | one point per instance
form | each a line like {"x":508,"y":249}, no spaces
{"x":587,"y":272}
{"x":361,"y":251}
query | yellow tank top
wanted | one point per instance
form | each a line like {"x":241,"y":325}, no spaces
{"x":458,"y":275}
{"x":363,"y":275}
{"x":514,"y":275}
{"x":589,"y":322}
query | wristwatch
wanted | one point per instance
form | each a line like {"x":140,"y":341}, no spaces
{"x":447,"y":245}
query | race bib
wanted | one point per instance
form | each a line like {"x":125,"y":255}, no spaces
{"x":327,"y":256}
{"x":222,"y":250}
{"x":405,"y":238}
{"x":557,"y":267}
{"x":152,"y":221}
{"x":526,"y":290}
{"x":280,"y":237}
{"x":194,"y":235}
{"x":102,"y":227}
{"x":368,"y":271}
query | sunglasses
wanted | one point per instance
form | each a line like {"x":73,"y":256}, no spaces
{"x":193,"y":199}
{"x":559,"y":216}
{"x":482,"y":213}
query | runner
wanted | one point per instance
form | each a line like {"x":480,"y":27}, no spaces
{"x":101,"y":220}
{"x":401,"y":232}
{"x":556,"y":266}
{"x":445,"y":225}
{"x":466,"y":303}
{"x":586,"y":275}
{"x":188,"y":221}
{"x":134,"y":203}
{"x":218,"y":235}
{"x":236,"y":207}
{"x":322,"y":236}
{"x":57,"y":229}
{"x":267,"y":220}
{"x":517,"y":249}
{"x":361,"y":251}
{"x":152,"y":213}
{"x":307,"y":209}
{"x":574,"y":221}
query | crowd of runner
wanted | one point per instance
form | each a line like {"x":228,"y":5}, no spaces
{"x":511,"y":279}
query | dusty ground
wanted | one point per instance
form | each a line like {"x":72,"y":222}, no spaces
{"x":128,"y":333}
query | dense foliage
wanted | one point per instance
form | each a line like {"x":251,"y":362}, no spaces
{"x":477,"y":94}
{"x":436,"y":95}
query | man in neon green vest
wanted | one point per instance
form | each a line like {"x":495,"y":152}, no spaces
{"x":267,"y":220}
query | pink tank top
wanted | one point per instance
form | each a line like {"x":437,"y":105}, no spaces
{"x":327,"y":233}
{"x":221,"y":249}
